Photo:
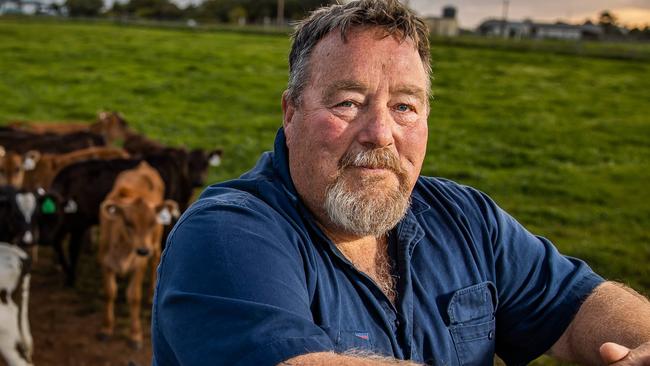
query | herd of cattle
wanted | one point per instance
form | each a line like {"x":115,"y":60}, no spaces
{"x":57,"y":180}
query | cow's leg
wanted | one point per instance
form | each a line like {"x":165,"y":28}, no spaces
{"x":13,"y":357}
{"x":11,"y":347}
{"x":58,"y":248}
{"x":25,"y":329}
{"x":134,"y":297}
{"x":110,"y":289}
{"x":77,"y":238}
{"x":155,"y":260}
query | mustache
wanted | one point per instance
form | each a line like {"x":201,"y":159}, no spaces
{"x":380,"y":158}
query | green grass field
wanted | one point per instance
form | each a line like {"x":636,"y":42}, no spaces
{"x":560,"y":141}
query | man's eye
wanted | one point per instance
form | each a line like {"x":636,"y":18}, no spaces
{"x":404,"y":107}
{"x":346,"y":104}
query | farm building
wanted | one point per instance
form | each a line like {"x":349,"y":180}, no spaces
{"x":534,"y":30}
{"x":28,"y":7}
{"x":446,"y":25}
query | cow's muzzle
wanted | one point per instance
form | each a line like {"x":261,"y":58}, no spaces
{"x":143,"y":252}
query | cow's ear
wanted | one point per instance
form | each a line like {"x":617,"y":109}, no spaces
{"x":3,"y":152}
{"x":110,"y":209}
{"x":30,"y":159}
{"x":167,"y":211}
{"x":214,"y":157}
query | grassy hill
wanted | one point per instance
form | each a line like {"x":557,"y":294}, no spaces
{"x":561,"y":141}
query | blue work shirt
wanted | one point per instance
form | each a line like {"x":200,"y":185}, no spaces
{"x":248,"y":278}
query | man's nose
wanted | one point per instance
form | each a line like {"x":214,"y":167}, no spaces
{"x":377,"y":130}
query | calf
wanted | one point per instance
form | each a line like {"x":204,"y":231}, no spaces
{"x":110,"y":125}
{"x":46,"y":166}
{"x":27,"y":217}
{"x":138,"y":144}
{"x":22,"y":142}
{"x":191,"y":166}
{"x":13,"y":167}
{"x":15,"y":335}
{"x":131,"y":223}
{"x":18,"y":217}
{"x":198,"y":162}
{"x":82,"y":187}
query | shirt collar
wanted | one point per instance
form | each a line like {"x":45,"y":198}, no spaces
{"x":281,"y":165}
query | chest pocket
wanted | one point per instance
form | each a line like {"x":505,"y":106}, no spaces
{"x":472,"y":324}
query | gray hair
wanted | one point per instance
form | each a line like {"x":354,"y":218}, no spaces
{"x":351,"y":207}
{"x":390,"y":15}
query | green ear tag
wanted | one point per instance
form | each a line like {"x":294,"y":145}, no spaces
{"x":48,"y":206}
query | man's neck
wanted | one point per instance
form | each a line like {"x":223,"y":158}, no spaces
{"x":369,"y":255}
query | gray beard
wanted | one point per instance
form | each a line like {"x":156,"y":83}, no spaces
{"x":358,"y":211}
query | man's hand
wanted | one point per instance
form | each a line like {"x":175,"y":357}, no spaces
{"x":613,"y":353}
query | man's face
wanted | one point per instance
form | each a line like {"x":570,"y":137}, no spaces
{"x":367,"y":96}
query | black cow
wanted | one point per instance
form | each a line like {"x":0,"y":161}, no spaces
{"x":197,"y":160}
{"x":23,"y":141}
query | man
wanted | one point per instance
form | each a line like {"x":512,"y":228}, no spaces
{"x":333,"y":250}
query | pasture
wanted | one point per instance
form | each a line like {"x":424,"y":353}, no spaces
{"x":562,"y":142}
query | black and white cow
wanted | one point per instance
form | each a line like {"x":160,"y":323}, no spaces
{"x":28,"y":218}
{"x":18,"y":211}
{"x":16,"y":345}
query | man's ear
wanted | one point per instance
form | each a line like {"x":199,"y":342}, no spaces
{"x":288,"y":109}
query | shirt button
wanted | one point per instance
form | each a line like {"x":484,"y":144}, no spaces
{"x":491,"y":335}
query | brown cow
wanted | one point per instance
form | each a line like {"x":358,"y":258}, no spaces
{"x":110,"y":125}
{"x":131,"y":224}
{"x":13,"y":166}
{"x":46,"y":166}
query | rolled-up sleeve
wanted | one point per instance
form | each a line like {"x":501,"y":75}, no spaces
{"x":232,"y":289}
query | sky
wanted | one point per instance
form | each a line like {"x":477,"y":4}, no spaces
{"x":470,"y":13}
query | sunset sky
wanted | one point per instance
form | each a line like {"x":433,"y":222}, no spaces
{"x":472,"y":12}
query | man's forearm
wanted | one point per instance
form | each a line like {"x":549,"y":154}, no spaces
{"x":348,"y":359}
{"x":612,"y":313}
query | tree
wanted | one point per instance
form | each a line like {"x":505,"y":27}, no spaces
{"x":640,"y":34}
{"x":256,"y":11}
{"x":56,"y":8}
{"x":84,"y":8}
{"x":609,"y":22}
{"x":153,"y":9}
{"x":216,"y":10}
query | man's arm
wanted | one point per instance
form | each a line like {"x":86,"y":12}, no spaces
{"x":612,"y":314}
{"x":353,"y":358}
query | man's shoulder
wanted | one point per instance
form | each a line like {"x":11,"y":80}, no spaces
{"x":436,"y":188}
{"x":445,"y":195}
{"x":219,"y":204}
{"x":227,"y":223}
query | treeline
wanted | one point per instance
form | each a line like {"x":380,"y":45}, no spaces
{"x":614,"y":30}
{"x":226,"y":11}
